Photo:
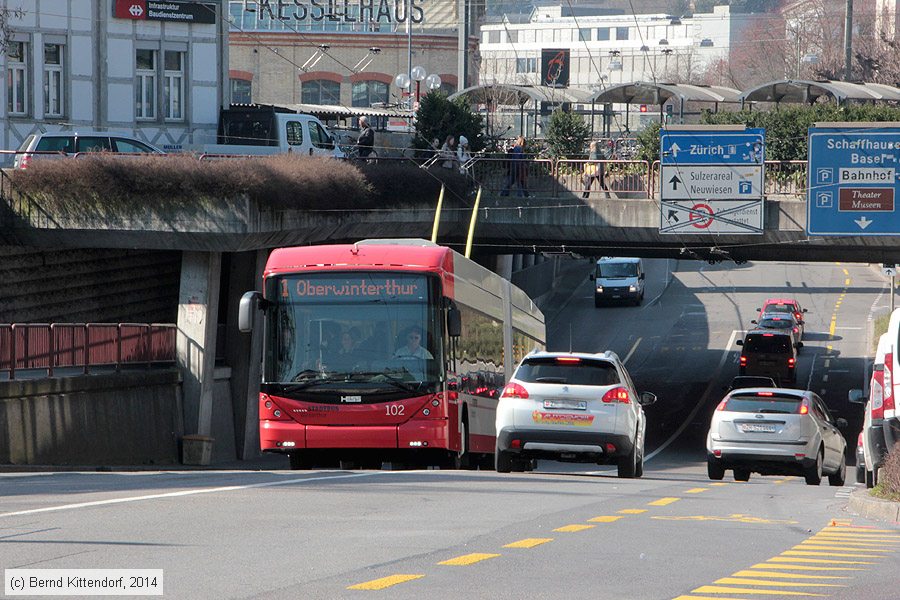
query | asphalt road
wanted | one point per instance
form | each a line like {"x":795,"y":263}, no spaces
{"x":562,"y":531}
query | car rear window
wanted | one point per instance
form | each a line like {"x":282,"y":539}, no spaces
{"x":768,"y":343}
{"x":26,"y":143}
{"x":778,"y":308}
{"x":55,"y":144}
{"x":770,"y":403}
{"x":776,"y":324}
{"x":584,"y":372}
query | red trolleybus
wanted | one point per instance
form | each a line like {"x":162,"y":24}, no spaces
{"x":385,"y":350}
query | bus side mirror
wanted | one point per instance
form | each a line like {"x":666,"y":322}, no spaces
{"x":739,"y":342}
{"x":250,"y":303}
{"x":454,"y":322}
{"x":856,"y":396}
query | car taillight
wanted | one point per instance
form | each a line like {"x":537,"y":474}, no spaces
{"x":876,"y":395}
{"x":798,"y":315}
{"x":514,"y":390}
{"x":859,"y":441}
{"x":721,"y":405}
{"x":889,"y":381}
{"x":804,"y":408}
{"x":796,"y":329}
{"x":791,"y":362}
{"x":743,"y":360}
{"x":26,"y":160}
{"x":618,"y":394}
{"x":765,"y":393}
{"x":568,"y":359}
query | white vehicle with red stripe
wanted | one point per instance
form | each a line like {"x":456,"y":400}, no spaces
{"x":873,"y":433}
{"x":572,"y":407}
{"x":385,"y":350}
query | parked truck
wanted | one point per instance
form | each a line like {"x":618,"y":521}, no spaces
{"x":261,"y":129}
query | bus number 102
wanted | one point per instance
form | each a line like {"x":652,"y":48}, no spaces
{"x":394,"y":410}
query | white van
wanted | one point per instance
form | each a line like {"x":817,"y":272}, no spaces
{"x":618,"y":278}
{"x":265,"y":130}
{"x":873,"y":432}
{"x":892,"y":381}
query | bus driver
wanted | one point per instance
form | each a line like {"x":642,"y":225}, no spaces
{"x":413,"y":347}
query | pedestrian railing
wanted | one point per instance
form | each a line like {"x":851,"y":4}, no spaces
{"x":51,"y":346}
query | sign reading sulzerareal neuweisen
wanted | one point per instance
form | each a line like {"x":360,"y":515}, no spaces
{"x":854,"y":176}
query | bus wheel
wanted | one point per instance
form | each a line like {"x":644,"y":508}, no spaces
{"x":300,"y":460}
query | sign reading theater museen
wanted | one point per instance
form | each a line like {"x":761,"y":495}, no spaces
{"x":347,"y":11}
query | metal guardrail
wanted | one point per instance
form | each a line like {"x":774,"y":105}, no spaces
{"x":52,"y":346}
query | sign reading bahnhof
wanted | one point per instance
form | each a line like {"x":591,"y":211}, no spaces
{"x":853,"y":179}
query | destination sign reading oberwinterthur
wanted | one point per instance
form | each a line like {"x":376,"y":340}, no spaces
{"x":354,"y":287}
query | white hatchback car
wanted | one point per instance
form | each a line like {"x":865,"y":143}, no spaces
{"x":571,"y":407}
{"x":776,"y":431}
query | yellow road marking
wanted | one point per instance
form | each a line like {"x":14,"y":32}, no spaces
{"x":632,"y":511}
{"x":820,"y":546}
{"x":529,"y":543}
{"x":719,"y":483}
{"x":845,"y":554}
{"x":715,"y":589}
{"x":696,"y":490}
{"x":831,"y":328}
{"x":384,"y":582}
{"x":663,"y":501}
{"x":819,"y":561}
{"x":752,"y":573}
{"x":857,"y":530}
{"x":859,"y":536}
{"x":829,"y":541}
{"x":467,"y":559}
{"x":803,"y":567}
{"x":604,"y":519}
{"x":846,"y":282}
{"x":846,"y":272}
{"x":705,"y":598}
{"x":745,"y":581}
{"x":574,"y":528}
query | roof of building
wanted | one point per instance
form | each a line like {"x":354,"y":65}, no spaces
{"x":336,"y":111}
{"x":805,"y":91}
{"x":646,"y":92}
{"x":508,"y":94}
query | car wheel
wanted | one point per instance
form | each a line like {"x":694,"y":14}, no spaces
{"x":628,"y":464}
{"x":860,"y":473}
{"x":502,"y":461}
{"x":742,"y":474}
{"x":813,"y":474}
{"x":639,"y":468}
{"x":714,"y":469}
{"x":837,"y":478}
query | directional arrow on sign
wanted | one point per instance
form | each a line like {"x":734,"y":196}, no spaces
{"x":674,"y":148}
{"x":672,"y":216}
{"x":674,"y":181}
{"x":863,"y":222}
{"x":136,"y":10}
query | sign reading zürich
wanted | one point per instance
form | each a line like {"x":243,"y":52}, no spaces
{"x":854,"y":177}
{"x":711,"y":180}
{"x":170,"y":10}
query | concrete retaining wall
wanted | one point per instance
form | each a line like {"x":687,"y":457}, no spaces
{"x":123,"y":419}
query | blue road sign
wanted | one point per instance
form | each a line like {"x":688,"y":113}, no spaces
{"x":695,"y":147}
{"x":853,"y":180}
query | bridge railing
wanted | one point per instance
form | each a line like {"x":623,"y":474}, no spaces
{"x":50,"y":346}
{"x":627,"y":178}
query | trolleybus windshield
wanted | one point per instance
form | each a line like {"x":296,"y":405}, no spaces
{"x":355,"y":331}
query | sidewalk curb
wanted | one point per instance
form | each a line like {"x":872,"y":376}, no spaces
{"x":863,"y":504}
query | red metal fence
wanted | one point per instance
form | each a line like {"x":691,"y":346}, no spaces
{"x":52,"y":346}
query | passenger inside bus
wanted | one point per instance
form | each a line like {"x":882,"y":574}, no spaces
{"x":413,"y":347}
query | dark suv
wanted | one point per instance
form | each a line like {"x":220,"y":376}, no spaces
{"x":770,"y":354}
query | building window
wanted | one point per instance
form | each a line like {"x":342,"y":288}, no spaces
{"x":145,"y":85}
{"x":53,"y":80}
{"x":320,"y":91}
{"x":512,"y":36}
{"x":603,"y":34}
{"x":173,"y":78}
{"x":240,"y":91}
{"x":584,"y":35}
{"x":493,"y":37}
{"x":621,"y":33}
{"x":526,"y":65}
{"x":367,"y":93}
{"x":17,"y":78}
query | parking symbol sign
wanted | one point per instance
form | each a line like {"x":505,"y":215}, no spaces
{"x":824,"y":175}
{"x":745,"y":187}
{"x":824,"y":200}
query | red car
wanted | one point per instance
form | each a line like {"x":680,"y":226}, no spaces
{"x":783,"y":305}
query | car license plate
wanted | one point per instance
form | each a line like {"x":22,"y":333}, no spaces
{"x":569,"y":404}
{"x":758,"y":427}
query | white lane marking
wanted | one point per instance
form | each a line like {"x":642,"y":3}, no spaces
{"x":731,"y":339}
{"x":849,"y":328}
{"x":630,"y":352}
{"x":229,"y":488}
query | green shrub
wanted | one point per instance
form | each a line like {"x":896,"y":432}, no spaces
{"x":889,"y":483}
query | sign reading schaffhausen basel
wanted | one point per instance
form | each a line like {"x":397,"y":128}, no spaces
{"x":171,"y":10}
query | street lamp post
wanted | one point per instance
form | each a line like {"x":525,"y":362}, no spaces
{"x":419,"y":74}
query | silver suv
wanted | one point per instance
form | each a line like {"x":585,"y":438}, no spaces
{"x":571,"y":407}
{"x":56,"y":144}
{"x":776,"y":431}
